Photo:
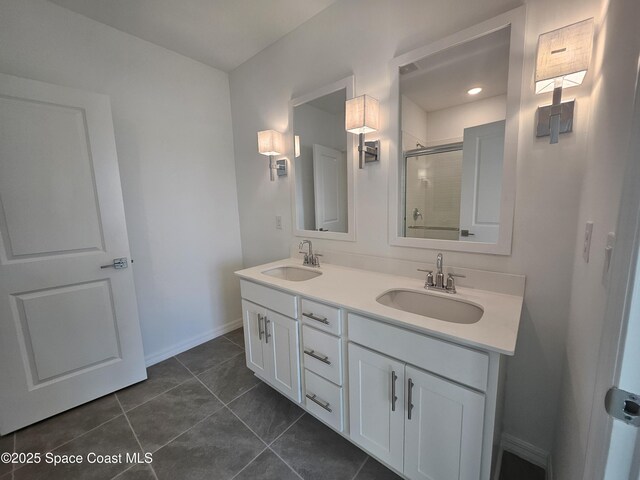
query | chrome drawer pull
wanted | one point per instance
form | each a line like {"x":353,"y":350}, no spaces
{"x":266,"y":329}
{"x":316,"y":318}
{"x":314,"y":399}
{"x":394,"y":397}
{"x":410,"y":400}
{"x":260,"y":330}
{"x":322,"y":358}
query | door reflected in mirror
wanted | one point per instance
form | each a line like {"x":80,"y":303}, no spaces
{"x":321,"y":164}
{"x":453,"y":109}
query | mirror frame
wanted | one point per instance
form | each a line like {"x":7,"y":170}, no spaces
{"x":516,"y":20}
{"x":348,"y":84}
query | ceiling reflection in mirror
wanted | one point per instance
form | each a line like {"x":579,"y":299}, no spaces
{"x":453,"y":111}
{"x":321,"y":164}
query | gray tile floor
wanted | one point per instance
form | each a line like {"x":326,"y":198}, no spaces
{"x":203,"y":415}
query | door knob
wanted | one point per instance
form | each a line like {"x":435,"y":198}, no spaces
{"x":118,"y":263}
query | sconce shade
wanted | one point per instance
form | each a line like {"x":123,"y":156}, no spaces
{"x":270,"y":142}
{"x":564,"y":54}
{"x":362,"y":115}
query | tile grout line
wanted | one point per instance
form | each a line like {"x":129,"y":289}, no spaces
{"x":74,"y":438}
{"x":366,"y":459}
{"x":287,"y":429}
{"x":285,"y":462}
{"x":152,"y":398}
{"x":267,"y":445}
{"x":278,"y":437}
{"x":226,"y":405}
{"x":225,"y":336}
{"x":214,"y":366}
{"x":187,"y":430}
{"x":232,"y":412}
{"x":250,"y":462}
{"x":135,"y":435}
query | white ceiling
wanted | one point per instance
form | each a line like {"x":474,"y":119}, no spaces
{"x":219,"y":33}
{"x":443,"y":79}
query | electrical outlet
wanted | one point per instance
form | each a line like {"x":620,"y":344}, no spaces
{"x":278,"y":222}
{"x":588,"y":230}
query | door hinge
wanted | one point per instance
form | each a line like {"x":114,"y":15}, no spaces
{"x":623,"y":405}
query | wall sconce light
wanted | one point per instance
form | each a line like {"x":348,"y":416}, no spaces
{"x":563,"y":60}
{"x":362,"y":117}
{"x":296,"y":145}
{"x":271,"y":143}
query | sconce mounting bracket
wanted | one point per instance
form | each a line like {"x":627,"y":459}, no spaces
{"x":543,"y":128}
{"x":281,"y":168}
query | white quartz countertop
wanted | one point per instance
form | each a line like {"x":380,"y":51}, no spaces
{"x":356,"y":291}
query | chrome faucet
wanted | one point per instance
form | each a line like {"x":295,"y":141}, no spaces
{"x":310,"y":259}
{"x":439,"y":275}
{"x":439,"y":283}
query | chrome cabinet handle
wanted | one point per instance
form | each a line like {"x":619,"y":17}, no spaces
{"x":322,"y":358}
{"x":316,"y":318}
{"x":266,"y":329}
{"x":409,"y":402}
{"x":313,"y":397}
{"x":394,"y":398}
{"x":260,"y":331}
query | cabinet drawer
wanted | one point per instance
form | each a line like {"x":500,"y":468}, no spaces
{"x":323,"y":399}
{"x":275,"y":300}
{"x":460,"y":364}
{"x":322,"y":354}
{"x":321,"y":316}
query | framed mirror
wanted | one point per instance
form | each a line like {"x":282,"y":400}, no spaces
{"x":322,"y":166}
{"x":456,"y":107}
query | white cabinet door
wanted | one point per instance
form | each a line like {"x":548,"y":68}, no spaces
{"x":281,"y":354}
{"x":69,"y":330}
{"x":376,"y":418}
{"x":254,"y":337}
{"x":443,"y":437}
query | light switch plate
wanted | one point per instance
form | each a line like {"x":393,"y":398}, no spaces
{"x":278,"y":222}
{"x":588,"y":230}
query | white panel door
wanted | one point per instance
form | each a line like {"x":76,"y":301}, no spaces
{"x":281,"y":354}
{"x":330,"y":188}
{"x":482,"y":159}
{"x":69,"y":330}
{"x":376,"y":418}
{"x":253,"y":322}
{"x":443,"y":437}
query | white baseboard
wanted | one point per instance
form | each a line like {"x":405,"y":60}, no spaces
{"x":525,"y":450}
{"x":192,"y":342}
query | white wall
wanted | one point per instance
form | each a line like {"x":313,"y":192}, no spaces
{"x":447,"y":125}
{"x":414,"y":124}
{"x":364,"y":36}
{"x":174,"y":140}
{"x":614,"y":72}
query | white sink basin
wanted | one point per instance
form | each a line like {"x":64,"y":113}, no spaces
{"x":293,"y":274}
{"x":433,"y":306}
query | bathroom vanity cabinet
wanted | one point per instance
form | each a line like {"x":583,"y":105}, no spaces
{"x":424,"y":406}
{"x":271,"y":338}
